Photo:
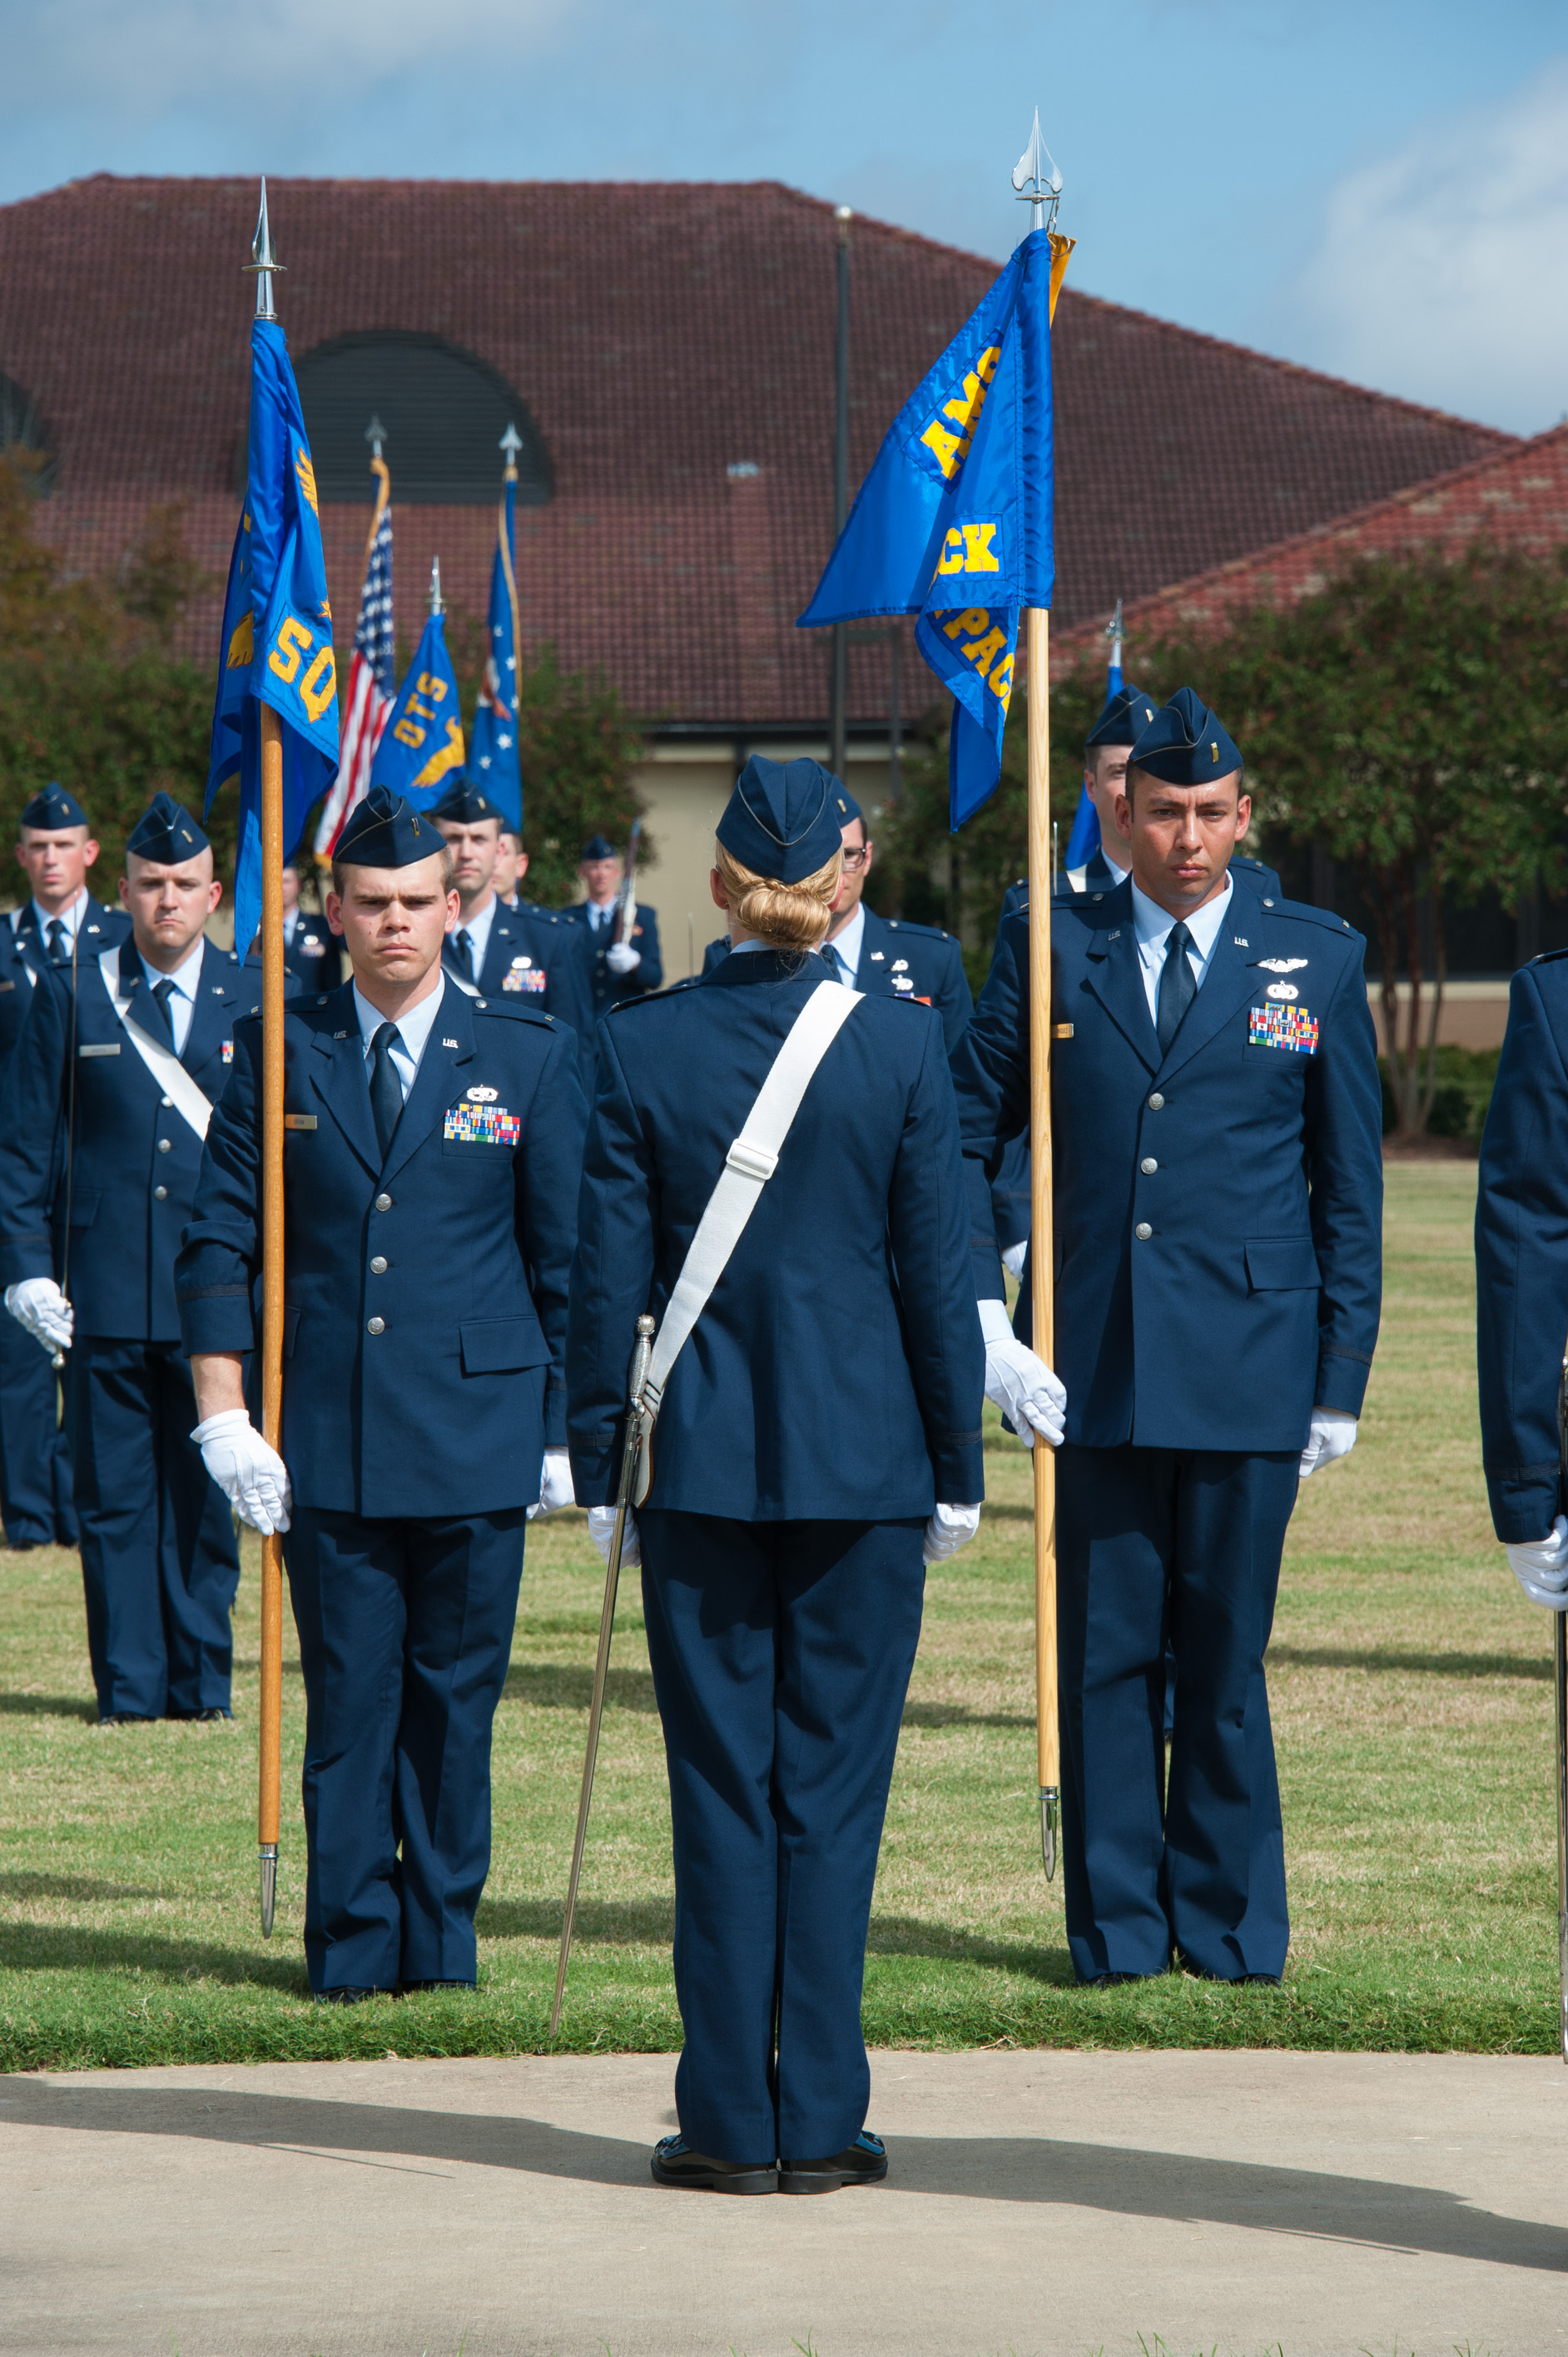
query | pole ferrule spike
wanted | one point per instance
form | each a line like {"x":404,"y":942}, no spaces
{"x":1050,"y":1828}
{"x":269,"y":1858}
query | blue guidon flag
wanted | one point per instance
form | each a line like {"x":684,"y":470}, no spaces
{"x":954,"y":522}
{"x":277,"y":645}
{"x":419,"y":753}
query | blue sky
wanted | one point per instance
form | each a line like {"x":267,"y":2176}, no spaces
{"x":1378,"y":187}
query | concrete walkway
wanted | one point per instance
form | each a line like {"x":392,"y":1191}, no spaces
{"x":1044,"y":2203}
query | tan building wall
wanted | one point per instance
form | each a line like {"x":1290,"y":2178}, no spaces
{"x":684,"y":788}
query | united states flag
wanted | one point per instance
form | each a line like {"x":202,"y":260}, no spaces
{"x":372,"y":684}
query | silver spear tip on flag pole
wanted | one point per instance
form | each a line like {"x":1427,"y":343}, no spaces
{"x":437,"y":603}
{"x":510,"y":444}
{"x":375,"y":435}
{"x":263,"y":261}
{"x":1113,"y":627}
{"x":1036,"y":179}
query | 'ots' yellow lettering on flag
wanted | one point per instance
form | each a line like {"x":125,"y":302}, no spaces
{"x":946,"y":436}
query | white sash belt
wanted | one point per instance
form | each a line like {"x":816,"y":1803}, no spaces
{"x":158,"y":1057}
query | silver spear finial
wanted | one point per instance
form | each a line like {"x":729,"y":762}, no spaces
{"x":1038,"y":180}
{"x":437,"y":603}
{"x":510,"y":444}
{"x":263,"y":260}
{"x":375,"y":435}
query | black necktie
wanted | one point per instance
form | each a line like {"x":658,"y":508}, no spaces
{"x":464,"y":942}
{"x":836,"y":967}
{"x":386,"y":1088}
{"x":1177,"y":988}
{"x":59,"y":940}
{"x":163,"y":992}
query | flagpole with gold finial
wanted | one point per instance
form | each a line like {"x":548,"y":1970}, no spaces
{"x":264,"y":264}
{"x":1039,"y":183}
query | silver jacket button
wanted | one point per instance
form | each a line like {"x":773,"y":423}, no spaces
{"x":376,"y":1326}
{"x":1148,"y":1166}
{"x":164,"y":1144}
{"x":1143,"y":1231}
{"x":1155,"y":1101}
{"x":160,"y":1194}
{"x":377,"y":1267}
{"x":383,"y":1202}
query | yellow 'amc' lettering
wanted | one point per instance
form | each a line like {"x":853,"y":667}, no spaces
{"x":962,"y":408}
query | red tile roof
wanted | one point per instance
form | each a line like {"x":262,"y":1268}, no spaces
{"x":657,"y":334}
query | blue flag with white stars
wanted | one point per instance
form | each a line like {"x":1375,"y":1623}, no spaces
{"x":493,"y":757}
{"x":276,"y":642}
{"x":421,"y":751}
{"x":954,"y":522}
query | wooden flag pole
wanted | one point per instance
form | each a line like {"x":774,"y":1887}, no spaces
{"x":1042,"y":1256}
{"x":271,"y":1763}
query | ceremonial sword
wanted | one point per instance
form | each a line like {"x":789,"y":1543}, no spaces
{"x":638,"y":1427}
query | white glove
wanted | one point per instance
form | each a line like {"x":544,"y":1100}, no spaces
{"x":39,"y":1303}
{"x":949,"y":1528}
{"x":1333,"y":1434}
{"x":1030,"y":1396}
{"x":621,"y":958}
{"x":1012,"y":1259}
{"x":602,"y":1530}
{"x":1541,"y":1566}
{"x":555,"y":1489}
{"x":252,"y":1476}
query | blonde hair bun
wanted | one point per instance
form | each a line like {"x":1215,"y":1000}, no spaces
{"x":785,"y":915}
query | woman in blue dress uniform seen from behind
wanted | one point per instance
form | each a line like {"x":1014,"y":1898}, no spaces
{"x":818,"y":1442}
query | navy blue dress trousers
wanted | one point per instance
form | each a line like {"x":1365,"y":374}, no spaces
{"x":1218,"y":1216}
{"x":423,"y":1380}
{"x":158,"y":1559}
{"x":829,"y":1395}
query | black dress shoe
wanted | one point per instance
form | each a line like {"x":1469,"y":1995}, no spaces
{"x":411,"y":1988}
{"x":674,"y":2163}
{"x":1114,"y":1980}
{"x":127,"y":1719}
{"x":349,"y":1995}
{"x":199,"y":1717}
{"x":864,"y":2162}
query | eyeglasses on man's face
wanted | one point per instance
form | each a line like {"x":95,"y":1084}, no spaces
{"x":855,"y":855}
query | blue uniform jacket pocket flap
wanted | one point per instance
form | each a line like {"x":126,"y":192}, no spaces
{"x":502,"y":1346}
{"x":1282,"y":1264}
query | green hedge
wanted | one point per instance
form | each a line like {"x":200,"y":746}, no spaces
{"x":1465,"y":1078}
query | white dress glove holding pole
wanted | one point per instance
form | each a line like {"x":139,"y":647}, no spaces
{"x":39,"y":1303}
{"x":1020,"y":1383}
{"x":555,"y":1489}
{"x":1014,"y":1256}
{"x":1333,"y":1434}
{"x":949,"y":1528}
{"x":621,"y":958}
{"x":252,"y":1476}
{"x":602,"y":1529}
{"x":1541,"y":1566}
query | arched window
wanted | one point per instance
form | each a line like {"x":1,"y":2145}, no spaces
{"x":22,"y":428}
{"x":444,"y":413}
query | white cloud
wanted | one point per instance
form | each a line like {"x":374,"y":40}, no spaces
{"x":154,"y":56}
{"x":1443,"y":269}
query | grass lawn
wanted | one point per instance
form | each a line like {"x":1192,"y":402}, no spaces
{"x":1411,"y":1700}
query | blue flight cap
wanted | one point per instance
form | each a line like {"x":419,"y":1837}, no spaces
{"x":1185,"y":743}
{"x":1122,"y":719}
{"x":165,"y":832}
{"x":385,"y":830}
{"x":599,"y":847}
{"x":465,"y":805}
{"x":782,"y":819}
{"x":845,"y":808}
{"x":53,"y":810}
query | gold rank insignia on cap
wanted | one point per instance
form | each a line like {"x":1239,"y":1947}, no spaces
{"x":1214,"y":748}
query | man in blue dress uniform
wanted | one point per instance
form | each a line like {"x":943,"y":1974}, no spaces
{"x":886,"y":957}
{"x":309,"y":948}
{"x":1521,"y":1280}
{"x":1217,"y":1130}
{"x":621,"y":970}
{"x":496,"y":950}
{"x":1124,"y":715}
{"x":55,"y":846}
{"x":431,"y":1148}
{"x":818,"y":1434}
{"x":151,"y":1033}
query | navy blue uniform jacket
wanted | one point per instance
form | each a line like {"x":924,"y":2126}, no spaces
{"x":614,"y":989}
{"x":1255,"y":1167}
{"x":136,"y":1158}
{"x":898,"y":960}
{"x":1521,"y":1255}
{"x":837,"y":1371}
{"x":23,"y":957}
{"x":314,"y":955}
{"x":447,"y":1409}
